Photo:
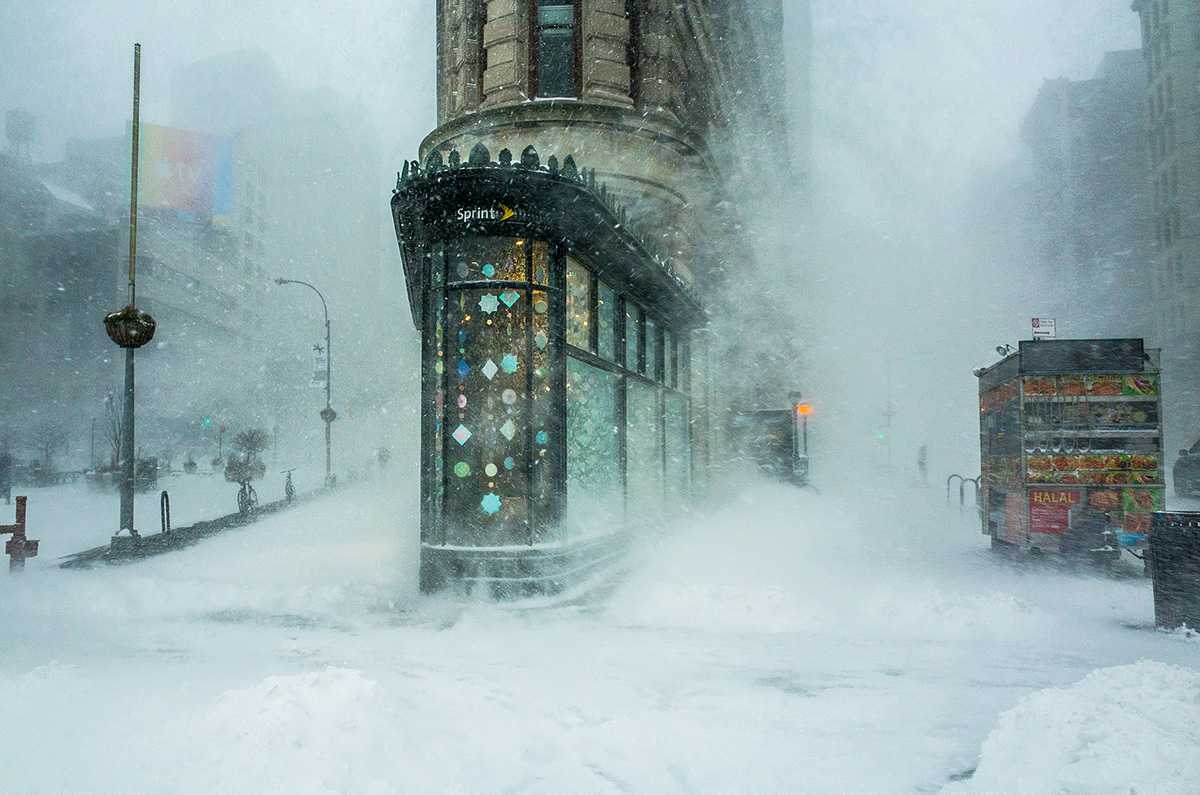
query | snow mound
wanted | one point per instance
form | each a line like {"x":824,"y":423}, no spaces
{"x":1129,"y":729}
{"x":305,"y":733}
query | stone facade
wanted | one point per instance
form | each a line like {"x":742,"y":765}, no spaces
{"x":1171,"y":107}
{"x":664,"y":88}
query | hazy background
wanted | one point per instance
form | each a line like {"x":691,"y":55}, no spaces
{"x":912,"y":102}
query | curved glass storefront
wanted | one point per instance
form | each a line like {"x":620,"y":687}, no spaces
{"x":556,"y":406}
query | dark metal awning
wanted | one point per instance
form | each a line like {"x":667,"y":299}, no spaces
{"x":445,"y":202}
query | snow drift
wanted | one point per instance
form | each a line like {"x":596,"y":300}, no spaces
{"x":1122,"y":730}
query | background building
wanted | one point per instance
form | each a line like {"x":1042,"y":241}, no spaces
{"x":1171,"y":112}
{"x":1088,"y":215}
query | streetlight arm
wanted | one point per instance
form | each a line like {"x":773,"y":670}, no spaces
{"x":324,"y":306}
{"x":328,"y":414}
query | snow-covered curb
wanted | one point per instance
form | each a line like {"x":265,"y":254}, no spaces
{"x":1129,"y":729}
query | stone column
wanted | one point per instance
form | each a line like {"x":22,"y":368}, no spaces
{"x":506,"y":37}
{"x":657,"y":51}
{"x":605,"y":44}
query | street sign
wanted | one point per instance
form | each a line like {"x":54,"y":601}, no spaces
{"x":1043,"y":328}
{"x":320,"y":363}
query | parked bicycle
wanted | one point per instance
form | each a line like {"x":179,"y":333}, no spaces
{"x":247,"y":499}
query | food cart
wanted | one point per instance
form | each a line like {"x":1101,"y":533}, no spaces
{"x":1070,"y":436}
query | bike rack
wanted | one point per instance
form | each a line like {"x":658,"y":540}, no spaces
{"x":164,"y":511}
{"x":962,"y":486}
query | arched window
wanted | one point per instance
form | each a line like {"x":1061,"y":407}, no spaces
{"x":554,"y":62}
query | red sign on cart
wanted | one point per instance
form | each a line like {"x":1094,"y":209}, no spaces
{"x":1048,"y":509}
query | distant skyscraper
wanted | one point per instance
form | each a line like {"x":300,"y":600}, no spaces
{"x":1088,"y":220}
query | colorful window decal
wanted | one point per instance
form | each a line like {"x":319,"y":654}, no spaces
{"x":462,"y":435}
{"x":490,"y":369}
{"x":508,"y":429}
{"x":462,"y":469}
{"x":509,"y":298}
{"x":509,"y":363}
{"x":491,"y":503}
{"x":489,"y":303}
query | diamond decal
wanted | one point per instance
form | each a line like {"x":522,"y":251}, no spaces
{"x":463,"y":368}
{"x":461,"y":435}
{"x":508,"y":429}
{"x":541,"y":340}
{"x":510,"y":297}
{"x":490,"y":369}
{"x":491,"y":504}
{"x":509,"y":363}
{"x":489,"y":304}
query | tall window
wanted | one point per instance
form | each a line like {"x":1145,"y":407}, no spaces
{"x":633,"y":52}
{"x":554,"y":65}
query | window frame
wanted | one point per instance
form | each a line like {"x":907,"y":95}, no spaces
{"x":535,"y":30}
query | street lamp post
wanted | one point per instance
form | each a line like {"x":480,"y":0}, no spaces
{"x":328,"y":415}
{"x":130,"y":328}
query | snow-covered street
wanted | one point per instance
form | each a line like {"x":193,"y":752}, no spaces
{"x":785,"y":642}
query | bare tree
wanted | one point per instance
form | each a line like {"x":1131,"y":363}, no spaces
{"x":251,"y":442}
{"x":48,"y":438}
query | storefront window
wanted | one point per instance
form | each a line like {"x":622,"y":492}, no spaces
{"x":486,"y":422}
{"x":483,"y":259}
{"x":579,"y":305}
{"x":643,"y":458}
{"x":606,"y":318}
{"x":651,"y":369}
{"x":594,"y":493}
{"x":633,"y":333}
{"x":543,"y":429}
{"x":669,"y":362}
{"x":679,"y":451}
{"x":685,"y":364}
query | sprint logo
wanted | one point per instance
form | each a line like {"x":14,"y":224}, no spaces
{"x":501,"y":212}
